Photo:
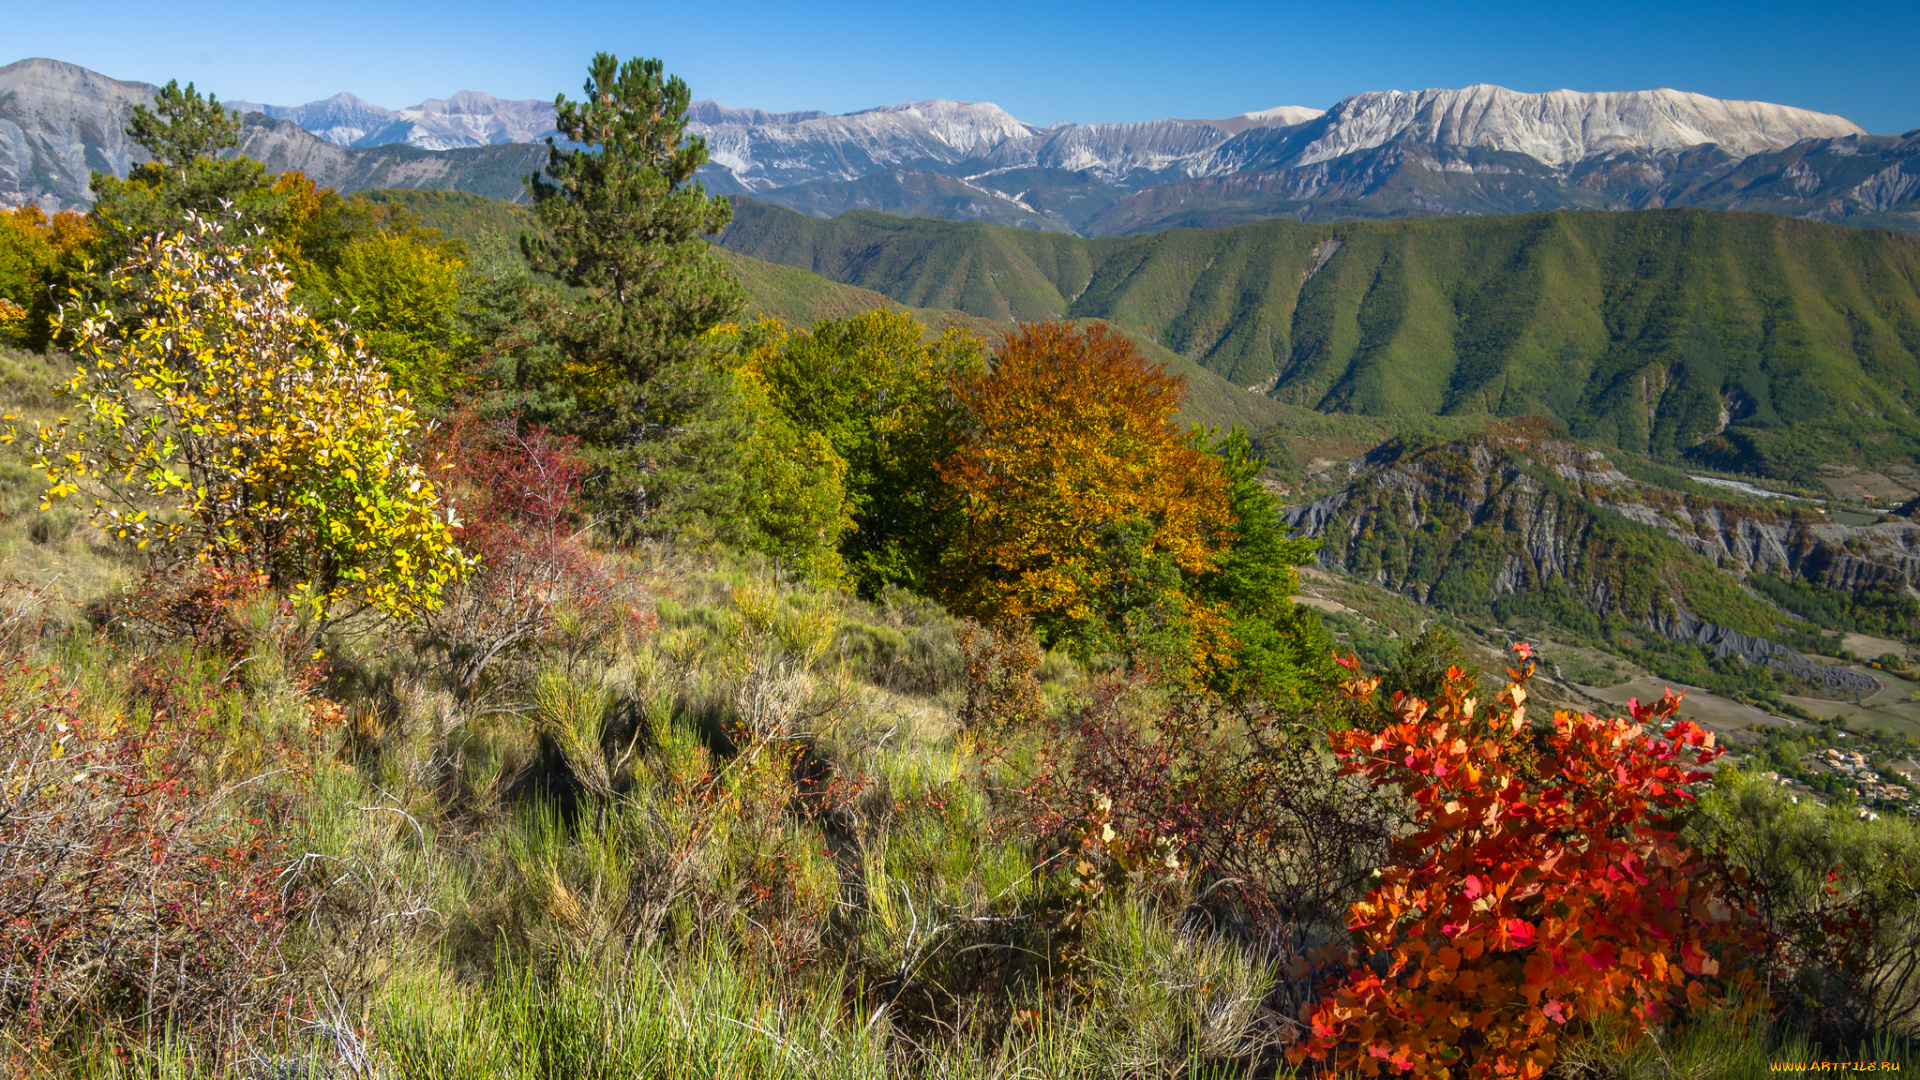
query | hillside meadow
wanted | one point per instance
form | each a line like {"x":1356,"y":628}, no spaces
{"x":723,"y":822}
{"x":598,"y":655}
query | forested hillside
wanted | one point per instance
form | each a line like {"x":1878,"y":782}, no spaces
{"x":1744,"y":341}
{"x":803,"y":298}
{"x":444,"y":640}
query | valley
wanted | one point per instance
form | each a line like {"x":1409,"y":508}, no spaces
{"x":1744,"y":343}
{"x":1632,"y":568}
{"x":1522,"y":525}
{"x":1428,"y":584}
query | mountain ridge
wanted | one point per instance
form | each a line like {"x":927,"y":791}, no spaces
{"x":1749,"y":342}
{"x":1380,"y":154}
{"x":468,"y":118}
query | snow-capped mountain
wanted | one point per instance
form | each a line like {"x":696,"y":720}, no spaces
{"x":343,"y":120}
{"x":762,"y":151}
{"x":1482,"y":149}
{"x":766,"y":151}
{"x":468,"y":118}
{"x":1564,"y":127}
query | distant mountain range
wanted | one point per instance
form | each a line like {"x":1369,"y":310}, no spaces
{"x":1481,"y":150}
{"x":468,"y":118}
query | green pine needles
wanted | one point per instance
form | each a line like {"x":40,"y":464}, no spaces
{"x":625,"y":235}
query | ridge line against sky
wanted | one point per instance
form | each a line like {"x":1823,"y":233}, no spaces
{"x":1084,"y":62}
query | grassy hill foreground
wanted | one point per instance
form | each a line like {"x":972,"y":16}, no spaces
{"x":650,"y":805}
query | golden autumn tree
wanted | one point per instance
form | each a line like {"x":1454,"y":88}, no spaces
{"x":1085,"y":507}
{"x":39,"y":254}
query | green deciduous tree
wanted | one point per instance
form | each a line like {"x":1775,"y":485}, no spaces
{"x":796,"y":486}
{"x":750,"y":476}
{"x":373,"y":267}
{"x":881,"y":394}
{"x":405,"y":297}
{"x":625,"y":229}
{"x":1279,"y":650}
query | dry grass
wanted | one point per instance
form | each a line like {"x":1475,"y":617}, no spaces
{"x":742,"y":836}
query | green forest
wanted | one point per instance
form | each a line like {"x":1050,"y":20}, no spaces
{"x":1635,"y":330}
{"x":452,"y":639}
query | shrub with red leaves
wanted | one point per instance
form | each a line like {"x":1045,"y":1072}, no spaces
{"x":1541,"y":889}
{"x":201,"y":605}
{"x":516,"y":489}
{"x":134,"y":895}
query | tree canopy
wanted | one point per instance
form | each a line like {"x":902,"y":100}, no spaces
{"x":39,"y":256}
{"x":881,"y":394}
{"x":1080,"y":494}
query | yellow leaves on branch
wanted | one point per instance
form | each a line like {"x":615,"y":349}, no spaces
{"x":218,"y":418}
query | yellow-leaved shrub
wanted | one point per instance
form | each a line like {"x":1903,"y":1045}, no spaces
{"x":219,"y":419}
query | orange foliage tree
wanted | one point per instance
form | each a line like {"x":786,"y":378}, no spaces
{"x":39,"y":256}
{"x":1083,"y":502}
{"x":1542,"y":888}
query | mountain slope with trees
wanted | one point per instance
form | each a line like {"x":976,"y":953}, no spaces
{"x":1516,"y":525}
{"x":1743,"y":341}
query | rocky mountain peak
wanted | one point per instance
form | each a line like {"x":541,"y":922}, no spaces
{"x":46,"y":75}
{"x":1279,"y":116}
{"x":59,"y":122}
{"x":1564,"y":127}
{"x":963,"y":125}
{"x":342,"y":119}
{"x":1478,"y":149}
{"x":472,"y":118}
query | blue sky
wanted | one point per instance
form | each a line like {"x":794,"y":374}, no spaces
{"x":1044,"y":62}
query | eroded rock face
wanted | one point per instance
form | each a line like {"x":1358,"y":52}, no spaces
{"x":1564,"y":127}
{"x":58,"y":123}
{"x":1722,"y":642}
{"x":1498,"y":515}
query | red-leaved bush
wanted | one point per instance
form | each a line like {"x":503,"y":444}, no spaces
{"x":1541,"y":889}
{"x":137,"y":892}
{"x":515,"y":489}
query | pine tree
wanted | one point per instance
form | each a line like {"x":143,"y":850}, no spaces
{"x":626,"y":225}
{"x":183,"y":134}
{"x":182,"y":128}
